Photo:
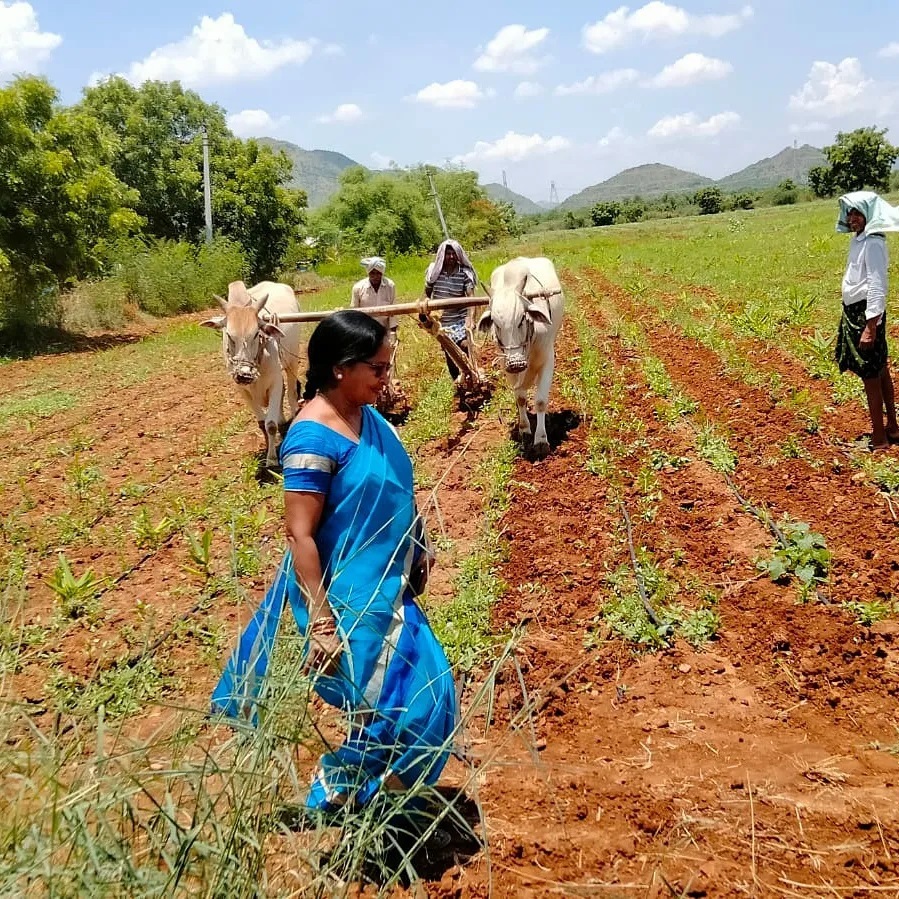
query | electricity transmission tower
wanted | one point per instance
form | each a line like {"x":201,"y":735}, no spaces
{"x":505,"y":183}
{"x":553,"y":193}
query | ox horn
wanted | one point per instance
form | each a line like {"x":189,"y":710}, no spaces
{"x":222,"y":302}
{"x":258,"y":304}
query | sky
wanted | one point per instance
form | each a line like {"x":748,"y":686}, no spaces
{"x":569,"y":92}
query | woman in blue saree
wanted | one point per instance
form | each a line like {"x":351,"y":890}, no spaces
{"x":357,"y":557}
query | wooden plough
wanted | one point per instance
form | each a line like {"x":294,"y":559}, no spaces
{"x":472,"y":384}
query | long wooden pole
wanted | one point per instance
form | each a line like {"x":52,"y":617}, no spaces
{"x":418,"y":307}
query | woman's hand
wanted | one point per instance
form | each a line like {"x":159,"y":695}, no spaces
{"x":868,"y":336}
{"x":325,"y":647}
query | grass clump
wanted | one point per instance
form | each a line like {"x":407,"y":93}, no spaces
{"x":868,"y":612}
{"x":714,"y":449}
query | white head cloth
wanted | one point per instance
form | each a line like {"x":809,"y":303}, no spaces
{"x":436,"y":267}
{"x":374,"y":263}
{"x":879,"y":215}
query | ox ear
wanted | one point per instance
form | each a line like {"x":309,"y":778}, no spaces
{"x":271,"y":330}
{"x":485,"y":321}
{"x":218,"y":322}
{"x":537,"y":312}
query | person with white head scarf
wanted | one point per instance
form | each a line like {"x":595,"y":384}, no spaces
{"x":451,"y":275}
{"x":376,"y":290}
{"x":862,"y":339}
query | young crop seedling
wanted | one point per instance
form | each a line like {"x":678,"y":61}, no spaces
{"x":803,"y":555}
{"x":148,"y":535}
{"x":77,"y":597}
{"x":714,"y":449}
{"x":869,"y":612}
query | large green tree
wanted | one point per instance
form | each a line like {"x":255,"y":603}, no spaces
{"x":857,"y":160}
{"x":159,"y":126}
{"x":59,"y":197}
{"x":395,"y":213}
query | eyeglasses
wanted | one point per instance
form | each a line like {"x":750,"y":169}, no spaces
{"x":380,"y":369}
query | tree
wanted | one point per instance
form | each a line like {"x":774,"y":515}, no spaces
{"x":633,"y":210}
{"x":59,"y":198}
{"x":159,"y":126}
{"x":861,"y":159}
{"x":605,"y":213}
{"x":709,"y":200}
{"x":820,"y":180}
{"x":786,"y":193}
{"x":742,"y":201}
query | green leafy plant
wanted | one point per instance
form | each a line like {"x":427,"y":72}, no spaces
{"x":868,"y":612}
{"x":200,"y":549}
{"x":148,"y":535}
{"x":77,"y":596}
{"x":804,"y":556}
{"x":714,"y":449}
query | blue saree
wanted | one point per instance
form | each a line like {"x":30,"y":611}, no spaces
{"x":393,"y":680}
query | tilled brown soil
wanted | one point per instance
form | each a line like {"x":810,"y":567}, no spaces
{"x":745,"y":769}
{"x":748,"y":768}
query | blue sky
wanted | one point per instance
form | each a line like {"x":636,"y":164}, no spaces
{"x":571,"y":91}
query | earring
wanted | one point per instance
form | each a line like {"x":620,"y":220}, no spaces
{"x":340,"y":377}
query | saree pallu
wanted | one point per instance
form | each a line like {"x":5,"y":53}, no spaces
{"x":867,"y":363}
{"x":393,"y":680}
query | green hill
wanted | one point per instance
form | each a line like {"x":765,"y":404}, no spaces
{"x":789,"y":163}
{"x":650,"y":180}
{"x":315,"y":171}
{"x":521,"y":204}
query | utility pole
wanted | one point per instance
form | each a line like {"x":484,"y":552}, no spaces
{"x":436,"y":198}
{"x":207,"y":187}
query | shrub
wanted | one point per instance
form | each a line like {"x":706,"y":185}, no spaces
{"x":709,"y":200}
{"x":605,"y":213}
{"x":742,"y":201}
{"x":173,"y":276}
{"x":786,"y":193}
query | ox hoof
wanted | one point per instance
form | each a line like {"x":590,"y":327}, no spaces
{"x":541,"y":450}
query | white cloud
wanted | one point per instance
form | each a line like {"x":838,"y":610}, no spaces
{"x":833,"y":91}
{"x":456,"y":94}
{"x":599,"y":84}
{"x":254,"y":123}
{"x":690,"y":125}
{"x":656,"y":20}
{"x":217,"y":51}
{"x":23,"y":45}
{"x":891,"y":49}
{"x":691,"y":69}
{"x":529,"y":89}
{"x":345,"y":114}
{"x":614,"y":136}
{"x":809,"y":128}
{"x":514,"y":147}
{"x":513,"y":50}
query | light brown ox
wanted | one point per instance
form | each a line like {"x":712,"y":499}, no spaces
{"x":261,"y":354}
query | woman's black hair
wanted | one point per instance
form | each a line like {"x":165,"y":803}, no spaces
{"x":342,"y":338}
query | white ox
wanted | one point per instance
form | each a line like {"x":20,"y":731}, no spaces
{"x":260,"y":353}
{"x":525,"y":314}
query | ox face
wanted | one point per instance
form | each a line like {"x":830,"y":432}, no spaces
{"x":244,"y":338}
{"x":512,"y":318}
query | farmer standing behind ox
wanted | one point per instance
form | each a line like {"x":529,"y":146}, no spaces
{"x":862,"y":337}
{"x":451,"y":275}
{"x":376,"y":290}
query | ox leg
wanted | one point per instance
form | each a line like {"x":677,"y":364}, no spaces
{"x":521,"y":400}
{"x":541,"y":401}
{"x":273,"y":418}
{"x":293,"y":404}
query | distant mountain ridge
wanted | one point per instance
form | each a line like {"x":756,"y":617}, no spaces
{"x":318,"y":172}
{"x":315,"y":171}
{"x":651,"y":180}
{"x":793,"y":163}
{"x":521,"y":204}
